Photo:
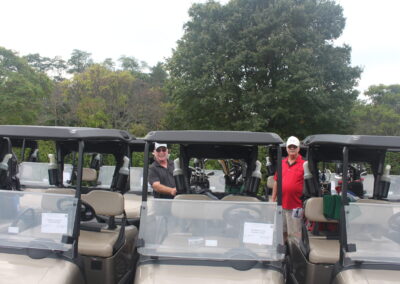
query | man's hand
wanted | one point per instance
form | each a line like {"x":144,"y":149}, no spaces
{"x":160,"y":188}
{"x":173,"y":191}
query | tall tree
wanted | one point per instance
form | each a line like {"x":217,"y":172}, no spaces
{"x":263,"y":65}
{"x":22,"y":90}
{"x":79,"y":61}
{"x":55,"y":67}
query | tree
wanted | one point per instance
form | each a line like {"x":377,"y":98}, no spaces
{"x":263,"y":65}
{"x":109,"y":63}
{"x":22,"y":90}
{"x":380,"y":114}
{"x":158,"y":75}
{"x":79,"y":61}
{"x":111,"y":99}
{"x":53,"y":67}
{"x":129,"y":63}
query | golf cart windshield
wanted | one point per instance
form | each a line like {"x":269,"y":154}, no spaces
{"x":394,"y":189}
{"x":374,"y":229}
{"x":34,"y":174}
{"x":214,"y":230}
{"x":36,"y":220}
{"x":136,"y":178}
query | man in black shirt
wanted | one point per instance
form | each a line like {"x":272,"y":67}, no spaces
{"x":161,"y":173}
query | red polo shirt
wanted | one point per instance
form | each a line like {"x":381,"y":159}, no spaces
{"x":292,"y":183}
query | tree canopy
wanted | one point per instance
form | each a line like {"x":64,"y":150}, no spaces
{"x":263,"y":65}
{"x":380,"y":113}
{"x":22,"y":90}
{"x":99,"y":97}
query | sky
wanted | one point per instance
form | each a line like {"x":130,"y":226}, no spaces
{"x":149,"y":29}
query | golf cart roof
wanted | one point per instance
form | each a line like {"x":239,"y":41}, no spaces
{"x":96,"y":139}
{"x":137,"y":145}
{"x":62,"y":133}
{"x":362,"y":148}
{"x":216,"y":137}
{"x":382,"y":142}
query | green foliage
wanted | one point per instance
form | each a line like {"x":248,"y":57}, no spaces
{"x":393,"y":159}
{"x":380,"y":115}
{"x":22,"y":90}
{"x":100,"y":97}
{"x":263,"y":65}
{"x":79,"y":61}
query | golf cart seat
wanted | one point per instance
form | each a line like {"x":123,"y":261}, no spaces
{"x":106,"y":241}
{"x":240,"y":198}
{"x":192,"y":197}
{"x":319,"y":249}
{"x":89,"y":174}
{"x":101,"y":242}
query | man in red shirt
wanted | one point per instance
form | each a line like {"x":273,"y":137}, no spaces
{"x":292,"y":189}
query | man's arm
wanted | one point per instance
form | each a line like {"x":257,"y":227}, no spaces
{"x":163,"y":189}
{"x":274,"y":191}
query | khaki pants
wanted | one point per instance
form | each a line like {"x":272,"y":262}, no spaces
{"x":292,"y":224}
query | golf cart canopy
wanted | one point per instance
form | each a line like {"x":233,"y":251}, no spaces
{"x":362,"y":148}
{"x":62,"y":133}
{"x":96,"y":139}
{"x":381,"y":142}
{"x":216,"y":144}
{"x":216,"y":137}
{"x":137,"y":145}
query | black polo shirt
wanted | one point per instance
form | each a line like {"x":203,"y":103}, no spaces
{"x":163,"y":175}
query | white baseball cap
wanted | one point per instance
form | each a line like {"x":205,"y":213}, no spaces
{"x":293,"y":141}
{"x":158,"y":145}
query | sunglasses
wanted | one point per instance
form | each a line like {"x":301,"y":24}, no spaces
{"x":292,"y":147}
{"x":161,"y":149}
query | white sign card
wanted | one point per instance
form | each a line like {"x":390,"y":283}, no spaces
{"x":13,"y":230}
{"x":211,"y":243}
{"x":66,"y":176}
{"x":195,"y":241}
{"x":258,"y":233}
{"x":54,"y":223}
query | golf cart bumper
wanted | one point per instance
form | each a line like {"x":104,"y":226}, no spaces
{"x":16,"y":268}
{"x":197,"y":274}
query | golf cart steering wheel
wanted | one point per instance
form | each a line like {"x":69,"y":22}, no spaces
{"x":87,"y":211}
{"x":236,"y":215}
{"x":394,"y":222}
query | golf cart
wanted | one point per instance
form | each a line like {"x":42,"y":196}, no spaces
{"x":52,"y":235}
{"x":348,"y":242}
{"x":207,"y":235}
